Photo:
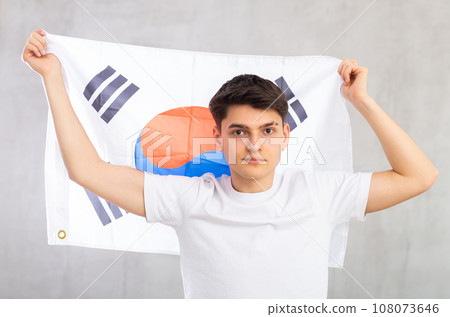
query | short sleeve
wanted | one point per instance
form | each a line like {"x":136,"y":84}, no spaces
{"x":167,"y":198}
{"x":342,"y":195}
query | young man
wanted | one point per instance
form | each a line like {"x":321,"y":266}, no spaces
{"x":256,"y":233}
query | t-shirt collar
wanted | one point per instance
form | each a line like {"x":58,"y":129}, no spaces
{"x":252,"y":197}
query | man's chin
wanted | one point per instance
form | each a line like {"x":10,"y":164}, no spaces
{"x":252,"y":171}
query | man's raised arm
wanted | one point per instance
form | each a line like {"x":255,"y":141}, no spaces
{"x":412,"y":172}
{"x":120,"y":185}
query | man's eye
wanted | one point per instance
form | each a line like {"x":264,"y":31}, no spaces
{"x":271,"y":131}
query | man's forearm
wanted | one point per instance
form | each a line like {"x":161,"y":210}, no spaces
{"x":77,"y":150}
{"x":404,"y":155}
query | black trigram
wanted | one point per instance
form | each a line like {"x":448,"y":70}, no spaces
{"x":106,"y":93}
{"x":296,"y":105}
{"x":100,"y":210}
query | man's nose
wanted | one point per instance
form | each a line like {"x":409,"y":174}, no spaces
{"x":254,"y":143}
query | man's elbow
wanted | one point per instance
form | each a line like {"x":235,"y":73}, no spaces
{"x":432,"y":179}
{"x":84,"y":175}
{"x":80,"y":177}
{"x":73,"y":177}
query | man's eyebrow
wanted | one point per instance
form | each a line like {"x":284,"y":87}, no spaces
{"x":243,"y":126}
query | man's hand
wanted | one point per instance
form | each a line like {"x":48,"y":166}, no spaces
{"x":35,"y":56}
{"x":354,"y":88}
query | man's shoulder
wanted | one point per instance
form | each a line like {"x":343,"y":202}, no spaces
{"x":296,"y":175}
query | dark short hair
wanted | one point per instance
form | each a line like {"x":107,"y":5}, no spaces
{"x":248,"y":89}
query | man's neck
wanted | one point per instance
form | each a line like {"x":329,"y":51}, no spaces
{"x":250,"y":185}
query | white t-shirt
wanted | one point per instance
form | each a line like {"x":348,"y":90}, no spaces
{"x":271,"y":244}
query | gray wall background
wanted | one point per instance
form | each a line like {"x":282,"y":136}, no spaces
{"x":401,"y":252}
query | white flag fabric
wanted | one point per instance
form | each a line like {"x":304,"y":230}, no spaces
{"x":121,"y":93}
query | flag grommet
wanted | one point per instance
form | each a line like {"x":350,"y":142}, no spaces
{"x":61,"y":234}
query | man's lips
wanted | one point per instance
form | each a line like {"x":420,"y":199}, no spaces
{"x":251,"y":159}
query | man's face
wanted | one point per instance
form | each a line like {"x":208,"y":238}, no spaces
{"x":252,"y":140}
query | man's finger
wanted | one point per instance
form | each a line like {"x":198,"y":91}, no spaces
{"x":32,"y":48}
{"x":39,"y":37}
{"x":344,"y":72}
{"x":340,"y":68}
{"x":36,"y":42}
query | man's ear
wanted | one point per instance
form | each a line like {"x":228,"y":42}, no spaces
{"x":286,"y":133}
{"x":216,"y":131}
{"x":217,"y":136}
